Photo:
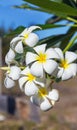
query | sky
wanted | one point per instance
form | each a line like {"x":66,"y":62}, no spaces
{"x":12,"y":18}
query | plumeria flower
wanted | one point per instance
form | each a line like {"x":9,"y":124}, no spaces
{"x":27,"y":37}
{"x":44,"y":99}
{"x":29,"y":82}
{"x":42,"y":60}
{"x":9,"y":58}
{"x":67,"y":67}
{"x":12,"y":74}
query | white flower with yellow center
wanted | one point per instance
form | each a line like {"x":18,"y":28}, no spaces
{"x":12,"y":74}
{"x":9,"y":58}
{"x":42,"y":60}
{"x":29,"y":82}
{"x":44,"y":99}
{"x":27,"y":37}
{"x":67,"y":67}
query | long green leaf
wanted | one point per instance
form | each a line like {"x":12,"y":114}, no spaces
{"x":70,"y":44}
{"x":52,"y":40}
{"x":69,"y":34}
{"x":74,"y":47}
{"x":56,"y":8}
{"x":49,"y":26}
{"x":29,"y":7}
{"x":19,"y":29}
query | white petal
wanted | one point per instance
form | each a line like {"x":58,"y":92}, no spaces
{"x":54,"y":95}
{"x":32,"y":28}
{"x":6,"y":60}
{"x":55,"y":72}
{"x":35,"y":100}
{"x":14,"y":72}
{"x":30,"y":88}
{"x":24,"y":32}
{"x":9,"y":56}
{"x":30,"y":57}
{"x":15,"y":41}
{"x":32,"y":39}
{"x":67,"y":74}
{"x":22,"y":81}
{"x":50,"y":66}
{"x":40,"y":83}
{"x":60,"y":53}
{"x":9,"y":83}
{"x":73,"y":69}
{"x":70,"y":56}
{"x":25,"y":71}
{"x":40,"y":48}
{"x":51,"y":53}
{"x":45,"y":105}
{"x":19,"y":48}
{"x":60,"y":72}
{"x":37,"y":69}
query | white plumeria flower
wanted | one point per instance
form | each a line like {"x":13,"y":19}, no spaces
{"x":67,"y":67}
{"x":29,"y":82}
{"x":9,"y":58}
{"x":42,"y":60}
{"x":12,"y":74}
{"x":44,"y":99}
{"x":27,"y":37}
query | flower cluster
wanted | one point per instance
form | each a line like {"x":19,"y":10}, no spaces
{"x":35,"y":68}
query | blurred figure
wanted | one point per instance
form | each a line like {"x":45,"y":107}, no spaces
{"x":7,"y":104}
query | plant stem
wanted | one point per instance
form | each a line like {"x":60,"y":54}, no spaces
{"x":4,"y":68}
{"x":71,"y":19}
{"x":69,"y":44}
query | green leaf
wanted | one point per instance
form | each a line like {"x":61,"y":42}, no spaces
{"x":70,"y":44}
{"x":69,"y":34}
{"x":56,"y":8}
{"x":26,"y":6}
{"x":70,"y":2}
{"x":53,"y":20}
{"x":17,"y":31}
{"x":57,"y":1}
{"x":49,"y":26}
{"x":74,"y":47}
{"x":52,"y":40}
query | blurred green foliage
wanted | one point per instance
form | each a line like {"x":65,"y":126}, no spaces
{"x":61,"y":10}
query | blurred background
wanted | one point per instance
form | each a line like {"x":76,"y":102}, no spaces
{"x":16,"y":112}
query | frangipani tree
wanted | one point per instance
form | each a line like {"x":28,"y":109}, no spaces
{"x":38,"y":63}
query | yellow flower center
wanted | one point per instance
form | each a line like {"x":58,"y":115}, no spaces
{"x":31,"y":77}
{"x":41,"y":58}
{"x":42,"y":92}
{"x":26,"y":35}
{"x":64,"y":64}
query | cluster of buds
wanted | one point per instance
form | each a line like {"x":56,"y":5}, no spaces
{"x":36,"y":66}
